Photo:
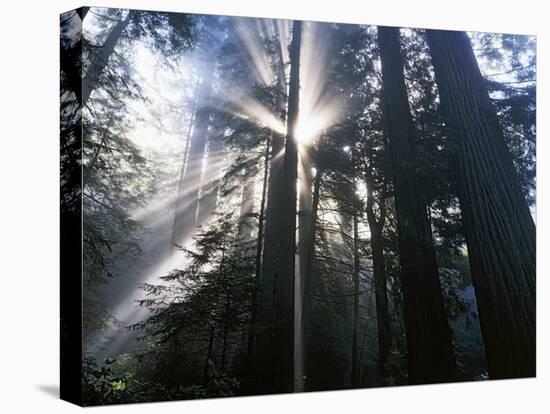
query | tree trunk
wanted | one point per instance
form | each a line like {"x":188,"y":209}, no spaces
{"x":101,"y":59}
{"x":304,"y":241}
{"x":208,"y":354}
{"x":258,"y":261}
{"x":308,"y":288}
{"x":174,"y":237}
{"x":187,"y":201}
{"x":430,"y":351}
{"x":275,"y":343}
{"x":246,"y":211}
{"x":499,"y":229}
{"x":210,"y":184}
{"x":356,"y":293}
{"x":376,"y":227}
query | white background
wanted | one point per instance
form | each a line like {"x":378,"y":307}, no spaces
{"x":29,"y":235}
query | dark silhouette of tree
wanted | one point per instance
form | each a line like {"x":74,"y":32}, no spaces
{"x":430,"y":352}
{"x":275,"y":343}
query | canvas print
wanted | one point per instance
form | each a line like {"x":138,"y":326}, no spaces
{"x":258,"y":206}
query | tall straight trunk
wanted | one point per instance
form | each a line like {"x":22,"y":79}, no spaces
{"x":500,"y":232}
{"x":225,"y":325}
{"x":258,"y":260}
{"x":210,"y":183}
{"x":305,"y":202}
{"x":181,"y":189}
{"x":304,"y":219}
{"x":430,"y":351}
{"x":376,"y":226}
{"x":308,"y":283}
{"x":356,"y":293}
{"x":275,"y":343}
{"x":247,"y":205}
{"x":211,"y":337}
{"x":187,"y":201}
{"x":101,"y":59}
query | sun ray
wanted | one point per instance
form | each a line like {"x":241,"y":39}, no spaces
{"x":245,"y":106}
{"x":249,"y":34}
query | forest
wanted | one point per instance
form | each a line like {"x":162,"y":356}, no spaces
{"x":274,"y":206}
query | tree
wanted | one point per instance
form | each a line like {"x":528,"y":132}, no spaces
{"x":275,"y":342}
{"x":500,"y":232}
{"x":430,"y":353}
{"x":376,"y":226}
{"x":170,"y":33}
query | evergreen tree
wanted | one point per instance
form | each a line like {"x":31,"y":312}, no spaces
{"x":499,"y":229}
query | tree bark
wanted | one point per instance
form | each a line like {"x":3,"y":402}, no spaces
{"x":275,"y":342}
{"x":430,"y":351}
{"x":500,"y":232}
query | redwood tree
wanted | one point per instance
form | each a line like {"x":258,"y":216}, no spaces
{"x":274,"y":348}
{"x":429,"y":346}
{"x":500,"y":232}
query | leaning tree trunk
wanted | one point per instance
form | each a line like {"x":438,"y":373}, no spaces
{"x":101,"y":59}
{"x":274,"y":351}
{"x":430,"y":351}
{"x":186,"y":203}
{"x":499,"y":229}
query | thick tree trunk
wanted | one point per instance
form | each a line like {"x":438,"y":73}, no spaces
{"x":275,"y":342}
{"x":187,"y":201}
{"x":101,"y":59}
{"x":430,"y":351}
{"x":500,"y":231}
